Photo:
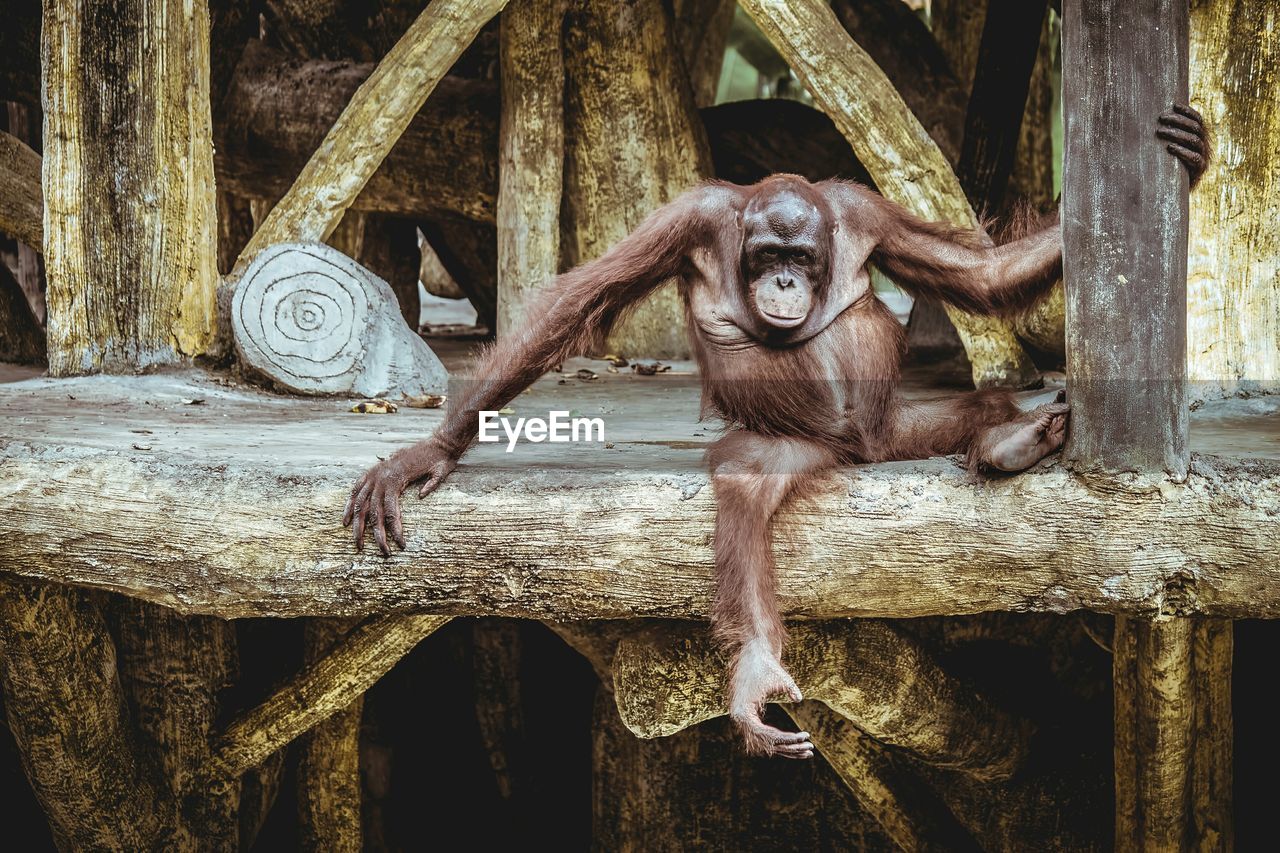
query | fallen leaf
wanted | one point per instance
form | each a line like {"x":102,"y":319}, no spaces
{"x":506,"y":410}
{"x":585,"y":375}
{"x":650,"y":369}
{"x":375,"y":407}
{"x":194,"y":401}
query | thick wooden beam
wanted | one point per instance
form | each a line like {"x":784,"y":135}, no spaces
{"x":21,"y":197}
{"x":67,"y":711}
{"x":206,"y":534}
{"x":130,"y":211}
{"x":904,"y":162}
{"x":1124,"y":214}
{"x":324,"y":688}
{"x":531,"y":153}
{"x":667,"y":678}
{"x":329,"y":760}
{"x":1125,"y":238}
{"x":372,"y":123}
{"x":633,"y":142}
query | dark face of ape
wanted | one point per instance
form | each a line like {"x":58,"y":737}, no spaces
{"x":785,"y":248}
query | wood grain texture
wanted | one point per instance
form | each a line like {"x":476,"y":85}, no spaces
{"x":1173,"y":734}
{"x":1233,"y":286}
{"x":904,"y":162}
{"x":667,"y":678}
{"x":329,"y":760}
{"x":130,"y":212}
{"x":379,"y":112}
{"x":67,"y":711}
{"x":903,"y":805}
{"x":238,"y":539}
{"x":21,"y":196}
{"x":633,"y":142}
{"x":1124,"y":229}
{"x":530,"y":154}
{"x":321,"y":690}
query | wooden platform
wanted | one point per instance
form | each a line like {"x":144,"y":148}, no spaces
{"x":218,"y":498}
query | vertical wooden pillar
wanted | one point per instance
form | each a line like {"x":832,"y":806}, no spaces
{"x":530,"y":155}
{"x":130,"y":244}
{"x":1124,"y":212}
{"x":1125,"y":269}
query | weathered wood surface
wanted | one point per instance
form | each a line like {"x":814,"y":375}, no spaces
{"x":314,"y":321}
{"x":21,"y":196}
{"x":379,"y":112}
{"x":279,"y":109}
{"x":329,"y":685}
{"x":1124,"y":231}
{"x":127,"y":118}
{"x":633,"y":142}
{"x":231,"y":508}
{"x":1233,"y":281}
{"x":666,"y":678}
{"x":531,"y":155}
{"x":904,"y":162}
{"x":21,"y":338}
{"x":1173,"y":734}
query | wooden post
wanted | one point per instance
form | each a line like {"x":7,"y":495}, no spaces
{"x":1125,"y":240}
{"x":531,"y":153}
{"x":130,"y":214}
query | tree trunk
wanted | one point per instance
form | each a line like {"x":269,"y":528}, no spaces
{"x":390,"y":251}
{"x":172,"y":668}
{"x":1234,"y":267}
{"x":329,"y":761}
{"x":65,"y":705}
{"x":957,"y":27}
{"x":633,"y":142}
{"x":702,"y":27}
{"x":25,"y":124}
{"x":131,"y":283}
{"x":531,"y":154}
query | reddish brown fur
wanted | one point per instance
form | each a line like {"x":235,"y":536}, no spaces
{"x":793,"y":408}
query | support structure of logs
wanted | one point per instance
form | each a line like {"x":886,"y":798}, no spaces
{"x":136,"y":757}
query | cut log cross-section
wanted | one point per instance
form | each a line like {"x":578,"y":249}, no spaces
{"x":315,"y":322}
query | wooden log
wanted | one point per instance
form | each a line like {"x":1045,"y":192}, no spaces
{"x":172,"y":669}
{"x":379,"y":112}
{"x":278,"y":110}
{"x":1233,"y":300}
{"x":531,"y":154}
{"x":329,"y":760}
{"x":957,"y":27}
{"x":667,"y":679}
{"x":131,"y":285}
{"x":499,"y":695}
{"x":258,"y":790}
{"x":21,"y":338}
{"x":908,"y":812}
{"x":435,"y":279}
{"x":21,"y":197}
{"x":1173,"y":734}
{"x":700,"y":784}
{"x":254,"y":537}
{"x":235,"y":226}
{"x":1125,"y":237}
{"x":314,"y":695}
{"x":67,"y":711}
{"x":904,"y":162}
{"x":633,"y":142}
{"x":702,"y":29}
{"x":314,"y":321}
{"x":468,"y":252}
